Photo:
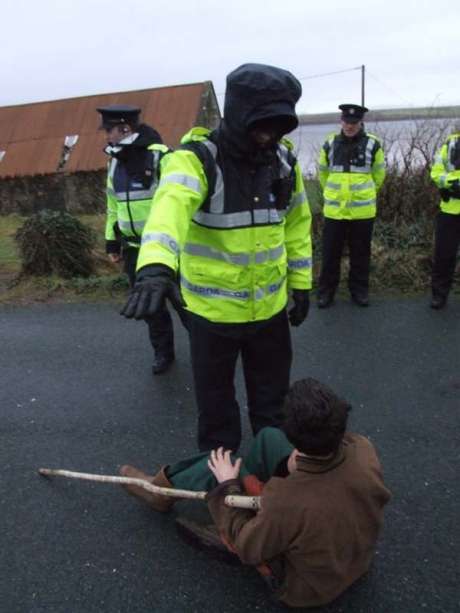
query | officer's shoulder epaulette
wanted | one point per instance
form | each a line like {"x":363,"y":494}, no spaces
{"x":159,"y":147}
{"x":195,"y":134}
{"x":329,"y":139}
{"x":373,"y":136}
{"x":287,"y":143}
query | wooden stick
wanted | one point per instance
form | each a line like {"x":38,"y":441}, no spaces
{"x":241,"y":502}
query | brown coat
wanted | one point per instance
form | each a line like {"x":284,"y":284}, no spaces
{"x":321,"y":522}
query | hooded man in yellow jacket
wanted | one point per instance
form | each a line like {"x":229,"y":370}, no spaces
{"x":351,"y":172}
{"x":231,"y":211}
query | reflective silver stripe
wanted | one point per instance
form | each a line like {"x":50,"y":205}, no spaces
{"x":237,"y":220}
{"x":323,"y":167}
{"x":228,"y":220}
{"x":438,"y":159}
{"x":330,"y":153}
{"x":241,"y":259}
{"x":110,"y":191}
{"x":331,"y":202}
{"x":443,"y":180}
{"x":332,"y":185}
{"x":449,"y":166}
{"x":126,"y":225}
{"x":214,"y":292}
{"x":266,"y":216}
{"x":186,"y":180}
{"x":356,"y":203}
{"x":217,"y":199}
{"x":378,"y":166}
{"x":297,"y":199}
{"x":283,"y":154}
{"x":211,"y":146}
{"x":143,"y":194}
{"x":156,"y":157}
{"x":164,"y":239}
{"x":362,"y":186}
{"x":271,"y":254}
{"x":303,"y":263}
{"x":369,"y":147}
{"x":111,"y":171}
{"x":337,"y":169}
{"x":364,"y":170}
{"x":216,"y":204}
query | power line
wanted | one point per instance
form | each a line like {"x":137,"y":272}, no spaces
{"x":327,"y":74}
{"x":390,"y":89}
{"x":316,"y":76}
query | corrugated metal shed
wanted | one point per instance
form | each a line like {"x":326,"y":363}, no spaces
{"x":32,"y":135}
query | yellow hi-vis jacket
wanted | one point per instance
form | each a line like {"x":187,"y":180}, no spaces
{"x":234,"y":267}
{"x":446,"y":168}
{"x":351,"y":176}
{"x":128,"y":201}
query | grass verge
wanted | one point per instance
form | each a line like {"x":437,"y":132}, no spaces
{"x":401,"y":263}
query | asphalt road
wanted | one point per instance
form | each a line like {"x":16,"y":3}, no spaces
{"x":77,"y":393}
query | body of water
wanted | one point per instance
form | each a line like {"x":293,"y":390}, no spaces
{"x":401,"y":140}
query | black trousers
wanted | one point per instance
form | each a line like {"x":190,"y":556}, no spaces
{"x":358,"y":234}
{"x":266,"y":355}
{"x":160,"y":326}
{"x":447,"y":241}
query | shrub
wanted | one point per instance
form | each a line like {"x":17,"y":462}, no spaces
{"x":55,"y":242}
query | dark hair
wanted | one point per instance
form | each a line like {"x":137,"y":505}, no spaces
{"x":315,"y":418}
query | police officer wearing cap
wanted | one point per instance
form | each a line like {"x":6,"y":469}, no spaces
{"x":136,"y":152}
{"x":446,"y":175}
{"x":351,"y":172}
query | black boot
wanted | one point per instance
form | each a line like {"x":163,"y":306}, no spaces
{"x":325,"y":299}
{"x":438,"y":302}
{"x":360,"y":298}
{"x":206,"y":538}
{"x":161,"y":363}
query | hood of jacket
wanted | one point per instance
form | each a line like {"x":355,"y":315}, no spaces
{"x":255,"y":92}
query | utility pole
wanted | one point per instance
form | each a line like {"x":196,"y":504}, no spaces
{"x":363,"y":69}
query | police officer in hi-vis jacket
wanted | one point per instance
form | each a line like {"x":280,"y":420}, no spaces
{"x":136,"y":153}
{"x":351,"y":172}
{"x":231,"y":210}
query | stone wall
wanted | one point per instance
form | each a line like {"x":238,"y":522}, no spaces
{"x":80,"y":192}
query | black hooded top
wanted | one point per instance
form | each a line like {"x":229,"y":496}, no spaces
{"x":254,"y":92}
{"x":252,"y":175}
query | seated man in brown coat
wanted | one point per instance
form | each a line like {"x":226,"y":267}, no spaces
{"x":322,"y":500}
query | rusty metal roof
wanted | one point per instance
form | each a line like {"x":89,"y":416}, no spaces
{"x":32,"y":135}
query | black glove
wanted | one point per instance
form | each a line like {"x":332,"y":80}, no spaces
{"x":299,"y":311}
{"x":454,"y":189}
{"x":153,"y":285}
{"x":445,"y":194}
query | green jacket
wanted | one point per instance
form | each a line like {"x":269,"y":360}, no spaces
{"x":239,"y":270}
{"x":351,"y":172}
{"x":446,"y":168}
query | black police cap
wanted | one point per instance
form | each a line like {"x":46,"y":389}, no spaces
{"x":116,"y":114}
{"x":352,"y":113}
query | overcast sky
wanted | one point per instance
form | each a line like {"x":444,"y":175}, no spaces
{"x":55,"y":49}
